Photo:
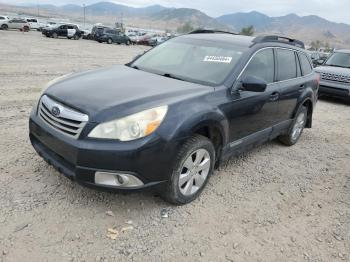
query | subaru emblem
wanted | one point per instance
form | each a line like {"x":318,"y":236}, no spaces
{"x":55,"y":111}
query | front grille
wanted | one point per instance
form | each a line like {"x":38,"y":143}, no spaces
{"x":336,"y":77}
{"x":61,"y":117}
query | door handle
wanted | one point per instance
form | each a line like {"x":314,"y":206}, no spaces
{"x":301,"y":88}
{"x":274,"y":96}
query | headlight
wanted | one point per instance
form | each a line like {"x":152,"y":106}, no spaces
{"x":131,"y":127}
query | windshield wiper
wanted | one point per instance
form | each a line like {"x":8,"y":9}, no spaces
{"x":173,"y":76}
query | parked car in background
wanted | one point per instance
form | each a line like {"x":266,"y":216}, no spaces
{"x":335,"y":75}
{"x":87,"y":33}
{"x":110,"y":36}
{"x":156,"y":40}
{"x":33,"y":23}
{"x":138,"y":38}
{"x":166,"y":119}
{"x":318,"y":58}
{"x":64,"y":30}
{"x":97,"y":30}
{"x":47,"y":26}
{"x":15,"y":23}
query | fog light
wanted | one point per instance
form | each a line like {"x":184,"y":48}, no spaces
{"x":117,"y":179}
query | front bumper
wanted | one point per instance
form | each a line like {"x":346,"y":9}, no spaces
{"x":334,"y":89}
{"x":149,"y":159}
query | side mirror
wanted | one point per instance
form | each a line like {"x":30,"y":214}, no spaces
{"x":254,"y":84}
{"x":320,"y":61}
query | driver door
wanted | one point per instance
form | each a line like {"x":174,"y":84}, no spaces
{"x":252,"y":114}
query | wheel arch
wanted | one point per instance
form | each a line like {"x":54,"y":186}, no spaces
{"x":307,"y":102}
{"x":216,"y":132}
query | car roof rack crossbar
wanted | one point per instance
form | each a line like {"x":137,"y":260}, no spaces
{"x":211,"y":31}
{"x":280,"y":39}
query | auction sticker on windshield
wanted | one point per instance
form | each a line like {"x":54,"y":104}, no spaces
{"x":218,"y":59}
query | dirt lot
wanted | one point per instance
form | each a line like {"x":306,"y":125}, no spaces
{"x":274,"y":203}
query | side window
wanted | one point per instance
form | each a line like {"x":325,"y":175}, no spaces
{"x":262,"y":66}
{"x":2,"y":18}
{"x":70,"y":27}
{"x":63,"y":27}
{"x":305,"y":64}
{"x":287,"y":68}
{"x":298,"y":64}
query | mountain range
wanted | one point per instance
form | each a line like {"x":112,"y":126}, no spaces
{"x":307,"y":28}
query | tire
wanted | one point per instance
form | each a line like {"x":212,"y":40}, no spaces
{"x":4,"y":27}
{"x":296,"y":128}
{"x":127,"y":42}
{"x":55,"y":35}
{"x":69,"y":37}
{"x":25,"y":28}
{"x":109,"y":41}
{"x":76,"y":37}
{"x":195,"y":164}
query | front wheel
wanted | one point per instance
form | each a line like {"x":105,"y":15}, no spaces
{"x":4,"y":27}
{"x":55,"y":35}
{"x":193,"y":167}
{"x":76,"y":37}
{"x":296,"y":129}
{"x":109,"y":41}
{"x":128,"y":42}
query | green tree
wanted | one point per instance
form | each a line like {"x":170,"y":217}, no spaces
{"x":327,"y":48}
{"x":185,"y":28}
{"x":316,"y":45}
{"x":249,"y":30}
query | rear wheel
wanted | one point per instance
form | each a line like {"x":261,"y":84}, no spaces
{"x":109,"y":41}
{"x":193,"y":167}
{"x":25,"y":28}
{"x":128,"y":42}
{"x":4,"y":27}
{"x":296,"y":129}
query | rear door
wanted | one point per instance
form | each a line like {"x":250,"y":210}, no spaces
{"x":290,"y":82}
{"x":252,"y":114}
{"x":62,"y":30}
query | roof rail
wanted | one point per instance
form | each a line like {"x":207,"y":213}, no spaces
{"x":211,"y":31}
{"x":279,"y":39}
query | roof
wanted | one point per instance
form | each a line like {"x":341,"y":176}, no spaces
{"x":242,"y":40}
{"x":346,"y":51}
{"x":223,"y":37}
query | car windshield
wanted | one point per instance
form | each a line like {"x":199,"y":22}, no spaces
{"x":199,"y":61}
{"x":339,"y":60}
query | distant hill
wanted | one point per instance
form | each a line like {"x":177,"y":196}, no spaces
{"x":307,"y":28}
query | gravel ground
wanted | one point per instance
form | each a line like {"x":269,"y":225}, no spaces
{"x":274,"y":203}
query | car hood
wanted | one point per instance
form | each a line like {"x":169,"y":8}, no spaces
{"x":121,"y":90}
{"x":333,"y":70}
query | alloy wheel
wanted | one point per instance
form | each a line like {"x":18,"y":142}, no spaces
{"x":194,"y":172}
{"x":298,"y":126}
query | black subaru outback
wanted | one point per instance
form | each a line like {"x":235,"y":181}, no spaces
{"x":168,"y":118}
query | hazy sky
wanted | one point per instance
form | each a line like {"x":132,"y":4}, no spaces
{"x":334,"y":10}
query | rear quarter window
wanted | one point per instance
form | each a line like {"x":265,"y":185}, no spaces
{"x":287,"y":67}
{"x":305,"y":64}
